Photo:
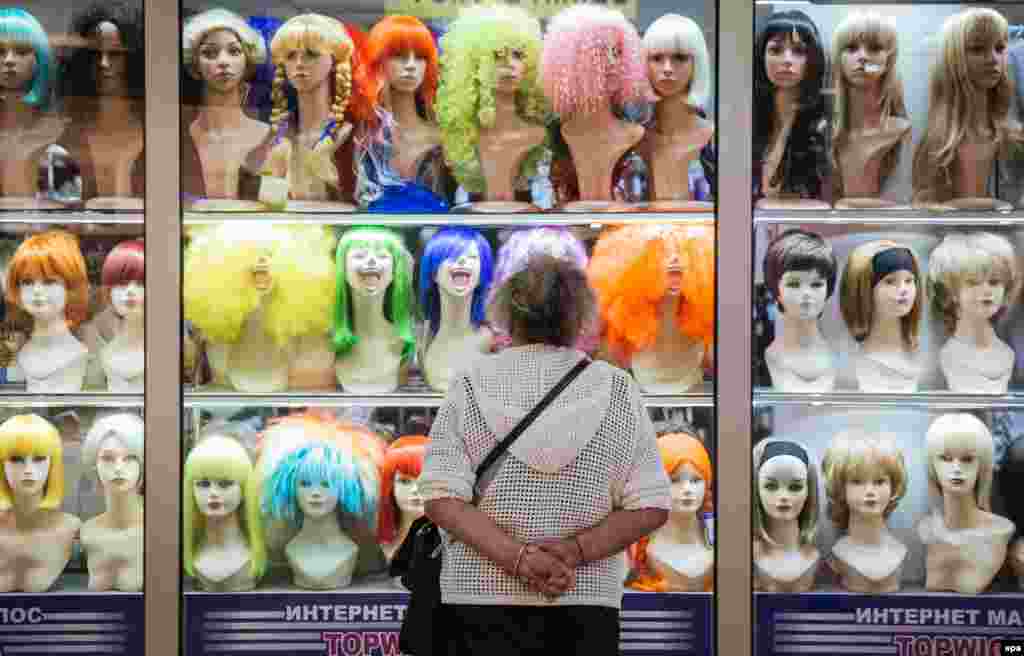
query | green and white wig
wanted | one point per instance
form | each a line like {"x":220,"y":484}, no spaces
{"x":399,"y":295}
{"x":465,"y":97}
{"x":19,"y":26}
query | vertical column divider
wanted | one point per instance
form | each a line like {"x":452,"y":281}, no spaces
{"x":163,"y":324}
{"x":733,"y":381}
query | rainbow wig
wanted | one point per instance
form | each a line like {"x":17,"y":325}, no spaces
{"x":128,"y":428}
{"x":673,"y":33}
{"x":524,"y":243}
{"x":391,"y":37}
{"x":314,"y":464}
{"x":218,"y":457}
{"x":219,"y":293}
{"x":31,"y":435}
{"x":398,"y":302}
{"x":19,"y":26}
{"x":449,"y":244}
{"x":405,"y":455}
{"x":124,"y":264}
{"x":466,"y":98}
{"x":592,"y":56}
{"x":627,"y":270}
{"x":198,"y":27}
{"x":52,"y":254}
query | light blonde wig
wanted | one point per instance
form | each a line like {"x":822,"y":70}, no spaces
{"x":198,"y":27}
{"x":969,"y":257}
{"x":857,"y":454}
{"x":963,"y":431}
{"x":808,"y":518}
{"x":857,"y":293}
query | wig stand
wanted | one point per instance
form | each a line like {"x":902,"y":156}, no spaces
{"x":683,"y":567}
{"x":971,"y":370}
{"x":322,"y":566}
{"x":597,"y":142}
{"x":450,"y":352}
{"x":810,"y":370}
{"x":668,"y":158}
{"x":868,"y":568}
{"x":964,"y":560}
{"x":114,"y":556}
{"x":673,"y":366}
{"x":861,"y":165}
{"x":53,"y":364}
{"x":372,"y":366}
{"x":881,"y":372}
{"x":312,"y":364}
{"x":34,"y":558}
{"x":785,"y":570}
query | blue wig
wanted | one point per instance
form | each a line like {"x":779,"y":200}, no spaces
{"x":315,"y":464}
{"x":19,"y":26}
{"x":449,"y":244}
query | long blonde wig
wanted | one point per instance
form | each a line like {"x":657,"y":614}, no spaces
{"x":857,"y":293}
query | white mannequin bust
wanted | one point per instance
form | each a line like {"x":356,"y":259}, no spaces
{"x":799,"y":359}
{"x":674,"y":363}
{"x":53,"y":360}
{"x":124,"y":357}
{"x":321,"y":556}
{"x":222,"y":560}
{"x":870,"y":567}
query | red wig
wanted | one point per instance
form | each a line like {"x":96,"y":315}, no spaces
{"x":360,"y":104}
{"x":392,"y":36}
{"x":405,"y":455}
{"x":125,"y":264}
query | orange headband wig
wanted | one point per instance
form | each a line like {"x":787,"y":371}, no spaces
{"x":404,"y":455}
{"x":393,"y":36}
{"x":52,"y":254}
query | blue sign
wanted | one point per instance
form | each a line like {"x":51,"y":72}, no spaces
{"x":78,"y":623}
{"x":363,"y":623}
{"x":926,"y":624}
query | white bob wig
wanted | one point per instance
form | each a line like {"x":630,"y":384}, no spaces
{"x":675,"y":33}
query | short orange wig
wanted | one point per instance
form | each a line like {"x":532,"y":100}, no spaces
{"x":52,"y":254}
{"x":404,"y":455}
{"x":392,"y":36}
{"x":627,"y":270}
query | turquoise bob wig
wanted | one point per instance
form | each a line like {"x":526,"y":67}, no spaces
{"x":318,"y":464}
{"x":19,"y":26}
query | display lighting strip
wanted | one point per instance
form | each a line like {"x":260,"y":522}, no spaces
{"x":225,"y":400}
{"x":891,"y":218}
{"x":63,"y":216}
{"x":489,"y":220}
{"x":72,"y":400}
{"x":928,"y":400}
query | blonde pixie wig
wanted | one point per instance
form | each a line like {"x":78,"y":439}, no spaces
{"x":673,"y":33}
{"x":198,"y":27}
{"x":465,"y":98}
{"x":856,"y":455}
{"x":808,"y":519}
{"x":856,"y":292}
{"x":969,"y":258}
{"x":31,"y":435}
{"x":961,"y":431}
{"x":219,"y":289}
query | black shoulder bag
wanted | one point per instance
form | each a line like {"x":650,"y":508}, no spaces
{"x":418,"y":560}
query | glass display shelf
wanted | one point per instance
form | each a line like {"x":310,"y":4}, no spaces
{"x":703,"y":399}
{"x":524,"y":219}
{"x":938,"y":399}
{"x":49,"y":217}
{"x":90,"y":399}
{"x":889,"y":217}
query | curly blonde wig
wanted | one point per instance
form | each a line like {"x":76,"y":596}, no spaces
{"x":962,"y":258}
{"x":857,"y":292}
{"x":219,"y":290}
{"x":198,"y":27}
{"x":858,"y":455}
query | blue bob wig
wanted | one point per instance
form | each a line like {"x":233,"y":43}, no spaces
{"x":19,"y":26}
{"x":449,"y":244}
{"x":316,"y":464}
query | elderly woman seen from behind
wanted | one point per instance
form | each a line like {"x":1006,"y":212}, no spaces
{"x":535,"y":559}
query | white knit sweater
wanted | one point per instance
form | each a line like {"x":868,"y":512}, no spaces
{"x":592,"y":451}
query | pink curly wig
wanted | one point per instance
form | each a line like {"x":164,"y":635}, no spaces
{"x":592,"y":55}
{"x":627,"y":270}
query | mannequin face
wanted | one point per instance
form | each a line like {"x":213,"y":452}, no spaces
{"x":803,"y":294}
{"x":980,"y":298}
{"x":688,"y":489}
{"x":369,"y":270}
{"x":406,"y":71}
{"x":118,"y":468}
{"x":217,"y":498}
{"x":956,"y":468}
{"x":670,"y":71}
{"x":129,"y":299}
{"x":461,"y":275}
{"x":307,"y":68}
{"x":316,"y":499}
{"x":894,"y":295}
{"x":868,"y":492}
{"x":864,"y":62}
{"x":221,"y":62}
{"x":407,"y":494}
{"x":785,"y":61}
{"x":43,"y":298}
{"x":26,"y":475}
{"x":111,"y":61}
{"x":782,"y":486}
{"x":17,"y":65}
{"x":673,"y":273}
{"x":510,"y":66}
{"x":986,"y":61}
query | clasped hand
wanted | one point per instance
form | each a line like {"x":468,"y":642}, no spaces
{"x":549,"y":566}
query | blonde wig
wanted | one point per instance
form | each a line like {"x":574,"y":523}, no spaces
{"x":198,"y":27}
{"x":627,"y":270}
{"x":218,"y":457}
{"x":961,"y":431}
{"x":857,"y":455}
{"x":876,"y":31}
{"x":465,"y":99}
{"x":673,"y":33}
{"x":953,"y":112}
{"x":808,"y":519}
{"x":51,"y":254}
{"x":127,"y":428}
{"x":220,"y":294}
{"x":964,"y":258}
{"x":857,"y":289}
{"x":31,"y":435}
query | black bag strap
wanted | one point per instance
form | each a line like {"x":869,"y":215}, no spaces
{"x":525,"y":422}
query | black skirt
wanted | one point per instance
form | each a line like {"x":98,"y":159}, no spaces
{"x":533,"y":630}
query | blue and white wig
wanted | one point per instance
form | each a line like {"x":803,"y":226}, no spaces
{"x":315,"y":464}
{"x":449,"y":244}
{"x":19,"y":26}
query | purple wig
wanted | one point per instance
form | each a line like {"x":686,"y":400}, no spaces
{"x":526,"y":242}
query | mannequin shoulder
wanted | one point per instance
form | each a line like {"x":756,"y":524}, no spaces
{"x":255,"y":130}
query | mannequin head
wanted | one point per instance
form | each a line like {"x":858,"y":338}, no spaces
{"x":32,"y":455}
{"x":315,"y":480}
{"x":115,"y":448}
{"x":124,"y":278}
{"x":798,"y":261}
{"x":972,"y":275}
{"x":20,"y":28}
{"x":488,"y":52}
{"x":635,"y":268}
{"x":592,"y":57}
{"x":450,"y":251}
{"x":865,"y":53}
{"x":785,"y":488}
{"x":524,"y":243}
{"x":403,"y":463}
{"x":113,"y":65}
{"x":677,"y":451}
{"x":960,"y":453}
{"x":864,"y":475}
{"x":219,"y":39}
{"x":235,"y":267}
{"x":52,"y":262}
{"x":968,"y":84}
{"x":881,"y":278}
{"x":371,"y":262}
{"x":219,"y":482}
{"x":392,"y":41}
{"x":677,"y":59}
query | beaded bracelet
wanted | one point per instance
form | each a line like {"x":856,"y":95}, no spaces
{"x":519,"y":559}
